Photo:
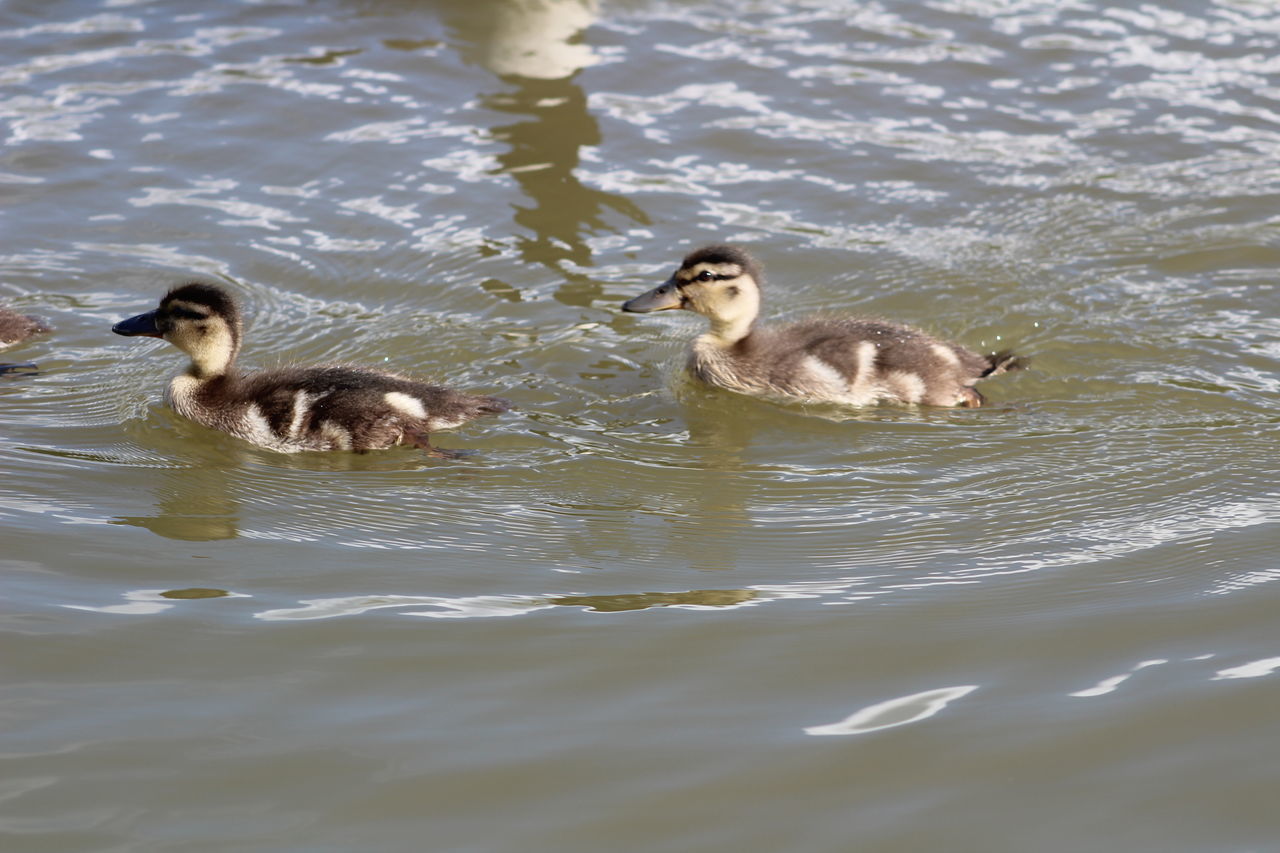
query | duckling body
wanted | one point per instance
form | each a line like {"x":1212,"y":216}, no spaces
{"x":291,"y":409}
{"x":846,"y":361}
{"x":14,"y":329}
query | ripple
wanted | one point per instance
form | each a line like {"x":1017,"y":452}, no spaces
{"x":388,"y":184}
{"x":895,"y":712}
{"x":204,"y":193}
{"x":202,"y":42}
{"x":1084,"y":247}
{"x":106,"y":22}
{"x":399,"y":132}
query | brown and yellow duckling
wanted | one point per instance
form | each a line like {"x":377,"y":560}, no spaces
{"x":14,"y":329}
{"x":290,"y":409}
{"x":846,"y":361}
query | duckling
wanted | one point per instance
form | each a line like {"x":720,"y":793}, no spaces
{"x":290,"y":409}
{"x":15,"y":328}
{"x":848,"y":361}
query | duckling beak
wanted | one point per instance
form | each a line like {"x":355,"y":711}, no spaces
{"x":143,"y":324}
{"x":664,"y":297}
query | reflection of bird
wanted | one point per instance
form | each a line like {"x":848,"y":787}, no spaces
{"x":849,"y":361}
{"x":538,"y":47}
{"x":543,"y":159}
{"x":645,"y":600}
{"x":536,"y":39}
{"x":327,"y":407}
{"x":14,"y":329}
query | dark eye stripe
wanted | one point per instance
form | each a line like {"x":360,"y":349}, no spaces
{"x":187,"y":314}
{"x":706,"y":276}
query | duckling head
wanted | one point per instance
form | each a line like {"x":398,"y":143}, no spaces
{"x":722,"y":283}
{"x":202,"y":320}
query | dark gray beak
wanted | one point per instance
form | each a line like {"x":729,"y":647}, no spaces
{"x":664,"y":297}
{"x":143,"y":324}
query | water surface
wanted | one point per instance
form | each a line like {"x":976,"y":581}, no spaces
{"x":1045,"y":625}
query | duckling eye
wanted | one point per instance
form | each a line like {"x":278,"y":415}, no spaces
{"x":705,"y":275}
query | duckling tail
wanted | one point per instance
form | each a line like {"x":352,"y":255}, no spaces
{"x":1005,"y":361}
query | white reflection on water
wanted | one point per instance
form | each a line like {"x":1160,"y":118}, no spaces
{"x":145,"y":602}
{"x":471,"y":606}
{"x":243,"y":212}
{"x":104,"y":23}
{"x":202,"y":43}
{"x":1245,"y":580}
{"x":894,"y":712}
{"x":1108,"y":685}
{"x":1256,"y":669}
{"x":514,"y":605}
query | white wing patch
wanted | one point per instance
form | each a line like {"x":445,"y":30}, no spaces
{"x":864,"y":389}
{"x":256,"y":428}
{"x":301,"y":405}
{"x":947,"y":354}
{"x":405,"y":404}
{"x":339,"y":437}
{"x":864,"y":379}
{"x":824,"y":377}
{"x":909,"y":387}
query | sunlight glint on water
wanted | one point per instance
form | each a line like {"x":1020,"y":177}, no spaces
{"x":214,"y":647}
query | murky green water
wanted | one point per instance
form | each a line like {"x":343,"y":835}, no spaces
{"x":1047,"y":625}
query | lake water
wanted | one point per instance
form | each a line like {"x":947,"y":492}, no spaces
{"x":645,"y":616}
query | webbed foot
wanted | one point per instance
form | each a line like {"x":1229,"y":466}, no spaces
{"x":420,"y":441}
{"x":445,"y":453}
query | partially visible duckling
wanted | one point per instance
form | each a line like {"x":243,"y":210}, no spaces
{"x":849,"y":361}
{"x":14,"y":329}
{"x":290,"y":409}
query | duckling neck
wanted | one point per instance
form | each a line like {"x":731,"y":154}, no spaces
{"x":732,"y":312}
{"x":189,"y":392}
{"x":214,"y":358}
{"x":727,"y":331}
{"x":205,"y":372}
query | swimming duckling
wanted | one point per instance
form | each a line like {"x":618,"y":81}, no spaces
{"x":15,"y":328}
{"x":327,"y":407}
{"x":849,"y":361}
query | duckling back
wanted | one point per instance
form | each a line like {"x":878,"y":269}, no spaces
{"x":331,"y":407}
{"x":846,"y":361}
{"x":898,"y":363}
